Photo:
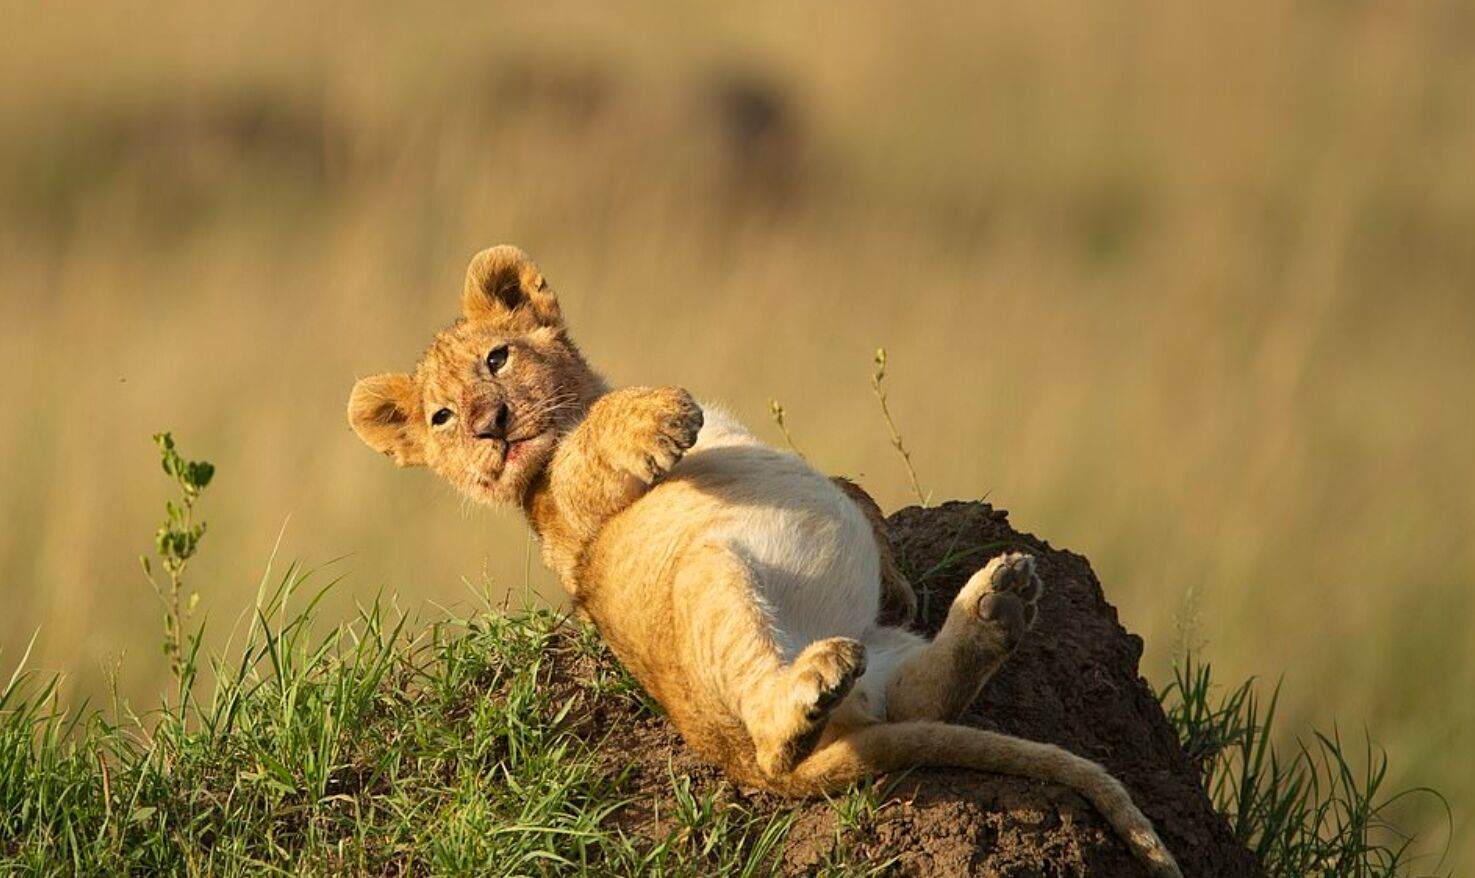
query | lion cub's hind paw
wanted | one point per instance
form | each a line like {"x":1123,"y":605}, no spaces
{"x":825,"y":672}
{"x":1006,"y":594}
{"x":803,"y":699}
{"x":1015,"y":574}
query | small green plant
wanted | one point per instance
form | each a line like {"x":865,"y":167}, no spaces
{"x":878,"y":387}
{"x":175,"y":544}
{"x":856,"y":810}
{"x":1317,"y":812}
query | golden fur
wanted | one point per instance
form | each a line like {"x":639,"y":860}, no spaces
{"x":755,"y":599}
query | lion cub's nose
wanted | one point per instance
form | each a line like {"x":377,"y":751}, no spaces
{"x":492,"y":424}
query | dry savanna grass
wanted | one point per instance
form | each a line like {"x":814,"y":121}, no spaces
{"x":1189,"y":289}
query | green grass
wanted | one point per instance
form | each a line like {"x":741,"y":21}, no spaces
{"x":389,"y":746}
{"x":383,"y":747}
{"x":370,"y":749}
{"x":1321,"y":810}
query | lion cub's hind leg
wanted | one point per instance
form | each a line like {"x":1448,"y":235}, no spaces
{"x":784,"y":705}
{"x":984,"y":624}
{"x":802,"y":699}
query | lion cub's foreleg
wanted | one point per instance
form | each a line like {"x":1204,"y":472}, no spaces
{"x":629,"y":439}
{"x":987,"y":619}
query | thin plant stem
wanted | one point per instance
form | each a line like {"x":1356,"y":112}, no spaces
{"x":878,"y":387}
{"x":776,"y":408}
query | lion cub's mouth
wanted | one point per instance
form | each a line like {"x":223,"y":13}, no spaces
{"x":518,"y":448}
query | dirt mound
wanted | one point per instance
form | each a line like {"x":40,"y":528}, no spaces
{"x":1073,"y":682}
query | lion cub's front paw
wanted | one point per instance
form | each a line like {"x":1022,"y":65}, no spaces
{"x":663,"y":424}
{"x":1006,"y":594}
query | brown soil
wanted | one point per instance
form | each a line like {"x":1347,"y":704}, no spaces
{"x":1073,"y":682}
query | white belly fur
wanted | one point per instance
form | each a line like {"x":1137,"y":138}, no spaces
{"x":810,"y":549}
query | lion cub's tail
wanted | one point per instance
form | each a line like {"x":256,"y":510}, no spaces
{"x":894,"y":746}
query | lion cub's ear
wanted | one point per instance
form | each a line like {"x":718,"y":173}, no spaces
{"x":503,"y":286}
{"x":384,"y":412}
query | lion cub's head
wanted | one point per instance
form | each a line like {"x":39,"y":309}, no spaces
{"x":494,"y":393}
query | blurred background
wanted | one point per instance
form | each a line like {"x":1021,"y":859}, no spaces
{"x":1189,"y":288}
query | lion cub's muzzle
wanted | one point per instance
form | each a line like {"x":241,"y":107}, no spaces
{"x":491,"y":421}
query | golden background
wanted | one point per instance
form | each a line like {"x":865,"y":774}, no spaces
{"x":1189,"y":288}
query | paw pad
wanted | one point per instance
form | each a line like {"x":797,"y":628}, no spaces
{"x":826,"y":671}
{"x":672,"y":421}
{"x":1012,"y":575}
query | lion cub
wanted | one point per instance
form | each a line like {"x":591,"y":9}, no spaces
{"x":753,"y":597}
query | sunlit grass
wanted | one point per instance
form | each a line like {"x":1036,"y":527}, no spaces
{"x":386,"y":746}
{"x":1320,"y":810}
{"x":371,"y":749}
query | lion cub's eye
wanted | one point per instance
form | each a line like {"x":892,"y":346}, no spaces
{"x":497,"y":358}
{"x":440,"y":417}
